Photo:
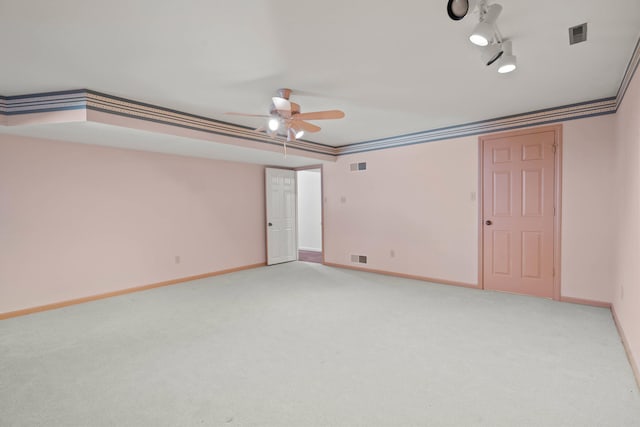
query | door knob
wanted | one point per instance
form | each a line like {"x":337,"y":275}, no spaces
{"x":488,"y":222}
{"x":270,"y":224}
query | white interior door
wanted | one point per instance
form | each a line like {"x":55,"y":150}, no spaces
{"x":281,"y":215}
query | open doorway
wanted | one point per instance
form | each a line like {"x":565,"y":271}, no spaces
{"x":310,"y":215}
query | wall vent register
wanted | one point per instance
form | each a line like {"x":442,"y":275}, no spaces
{"x":360,"y":259}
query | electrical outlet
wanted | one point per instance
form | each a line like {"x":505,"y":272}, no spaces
{"x":392,"y":253}
{"x":177,"y":259}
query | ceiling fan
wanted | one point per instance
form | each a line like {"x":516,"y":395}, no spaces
{"x":286,"y":119}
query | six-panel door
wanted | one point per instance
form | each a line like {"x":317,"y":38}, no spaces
{"x":518,"y":213}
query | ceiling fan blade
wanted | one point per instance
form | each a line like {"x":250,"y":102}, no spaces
{"x":305,"y":126}
{"x":319,"y":115}
{"x":231,"y":113}
{"x":260,"y":129}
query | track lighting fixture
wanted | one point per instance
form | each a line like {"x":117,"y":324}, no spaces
{"x":486,"y":33}
{"x":507,"y":62}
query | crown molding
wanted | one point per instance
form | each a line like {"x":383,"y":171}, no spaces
{"x":83,"y":99}
{"x":96,"y":101}
{"x":534,"y":118}
{"x":632,"y":67}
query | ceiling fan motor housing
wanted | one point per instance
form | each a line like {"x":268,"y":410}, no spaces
{"x":284,"y":93}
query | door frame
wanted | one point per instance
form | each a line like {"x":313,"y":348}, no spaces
{"x":557,"y":188}
{"x":302,"y":168}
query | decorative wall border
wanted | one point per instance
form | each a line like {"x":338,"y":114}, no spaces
{"x":92,"y":100}
{"x":632,"y":67}
{"x":516,"y":121}
{"x":45,"y":102}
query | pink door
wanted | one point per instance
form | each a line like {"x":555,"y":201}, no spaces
{"x":518,"y":212}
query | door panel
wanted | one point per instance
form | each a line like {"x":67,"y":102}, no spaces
{"x":281,"y":215}
{"x":518,"y":213}
{"x":502,"y":191}
{"x":501,"y":253}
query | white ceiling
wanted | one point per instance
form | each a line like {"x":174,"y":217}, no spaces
{"x":393,"y":67}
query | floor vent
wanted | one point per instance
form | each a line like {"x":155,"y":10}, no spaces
{"x":362,"y":166}
{"x":578,"y":34}
{"x":360,"y":259}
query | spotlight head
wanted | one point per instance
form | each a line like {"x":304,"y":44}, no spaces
{"x":458,"y":9}
{"x":482,"y":34}
{"x":299,"y":134}
{"x":274,"y":124}
{"x":491,"y":54}
{"x":485,"y":31}
{"x":507,"y":65}
{"x":507,"y":62}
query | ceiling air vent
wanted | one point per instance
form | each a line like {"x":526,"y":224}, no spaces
{"x":578,"y":34}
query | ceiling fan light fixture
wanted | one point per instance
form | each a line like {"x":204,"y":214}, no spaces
{"x":291,"y":135}
{"x":299,"y":134}
{"x":507,"y":62}
{"x":274,"y":124}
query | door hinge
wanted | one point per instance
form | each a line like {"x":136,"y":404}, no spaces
{"x":555,"y":146}
{"x":554,"y":211}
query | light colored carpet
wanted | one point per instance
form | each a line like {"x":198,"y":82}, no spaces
{"x":302,"y":344}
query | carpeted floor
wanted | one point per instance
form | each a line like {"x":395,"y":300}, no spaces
{"x":302,"y":344}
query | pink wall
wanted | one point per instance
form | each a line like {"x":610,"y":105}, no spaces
{"x":415,"y":201}
{"x":79,"y":220}
{"x":587,"y":197}
{"x":625,"y":218}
